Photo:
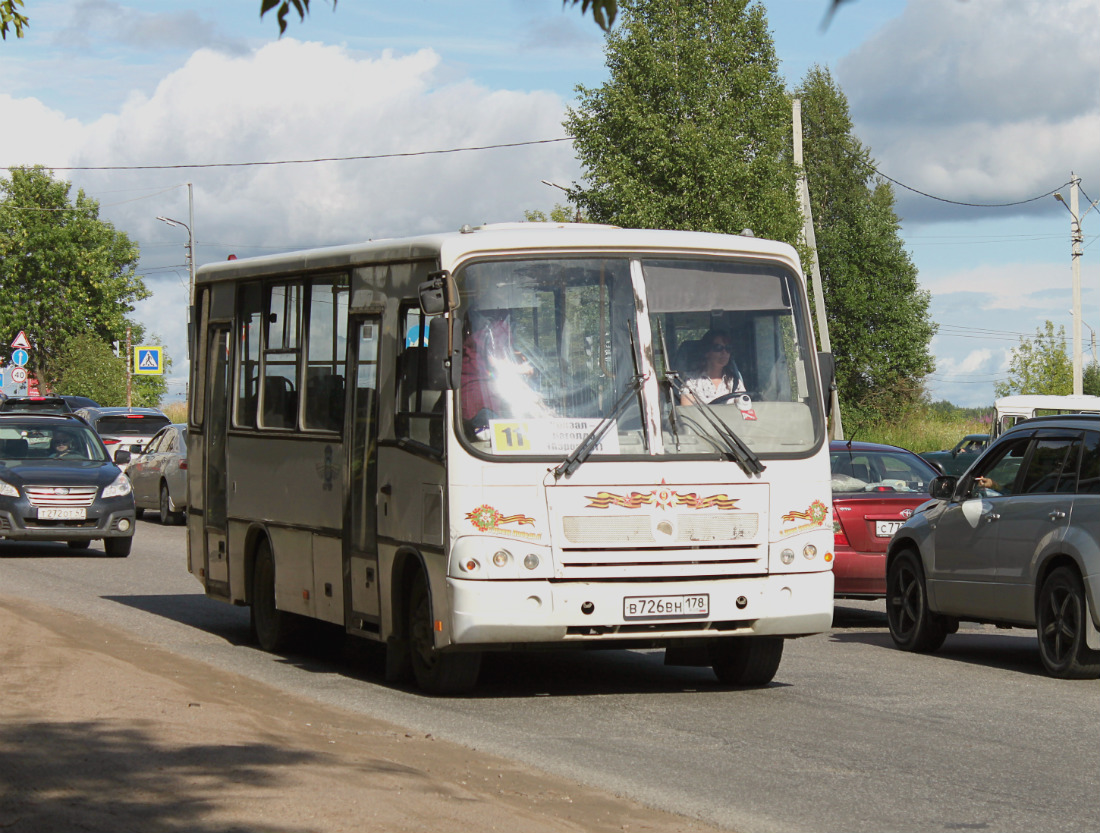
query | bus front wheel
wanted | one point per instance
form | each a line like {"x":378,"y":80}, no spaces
{"x":746,"y":660}
{"x":435,"y":672}
{"x":271,"y":627}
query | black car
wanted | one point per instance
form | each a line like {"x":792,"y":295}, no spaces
{"x":35,"y":405}
{"x":57,"y":483}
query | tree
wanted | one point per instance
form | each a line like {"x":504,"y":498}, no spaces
{"x":558,"y":214}
{"x":879,"y":327}
{"x":90,"y":368}
{"x":692,"y":129}
{"x":11,"y":18}
{"x":1041,"y":365}
{"x":1090,"y":380}
{"x":63,"y":271}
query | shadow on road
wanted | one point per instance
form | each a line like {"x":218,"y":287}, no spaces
{"x":196,"y":611}
{"x":96,"y":776}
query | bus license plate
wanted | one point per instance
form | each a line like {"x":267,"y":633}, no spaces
{"x":688,"y":606}
{"x":47,"y":514}
{"x":886,"y":529}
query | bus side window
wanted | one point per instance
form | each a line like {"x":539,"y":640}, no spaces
{"x":419,"y":394}
{"x":282,"y":328}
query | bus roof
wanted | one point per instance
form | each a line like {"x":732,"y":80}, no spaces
{"x":1027,"y":403}
{"x":448,"y":247}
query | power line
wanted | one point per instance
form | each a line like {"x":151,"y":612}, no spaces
{"x":311,"y":161}
{"x":967,"y":204}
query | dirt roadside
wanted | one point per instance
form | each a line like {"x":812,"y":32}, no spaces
{"x":100,"y":732}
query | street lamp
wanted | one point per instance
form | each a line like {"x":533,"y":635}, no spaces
{"x":577,"y":216}
{"x":190,"y":256}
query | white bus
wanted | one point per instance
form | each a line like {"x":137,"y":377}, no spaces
{"x":1008,"y":410}
{"x":486,"y":441}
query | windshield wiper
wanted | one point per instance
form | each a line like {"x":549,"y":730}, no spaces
{"x":583,"y":451}
{"x":740,"y":453}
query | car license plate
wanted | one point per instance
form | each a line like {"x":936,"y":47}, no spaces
{"x":687,"y":606}
{"x":58,"y":514}
{"x":886,"y":529}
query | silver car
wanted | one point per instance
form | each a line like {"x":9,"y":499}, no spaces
{"x":158,"y":473}
{"x":1015,"y":542}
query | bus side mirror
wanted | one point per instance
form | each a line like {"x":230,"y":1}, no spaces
{"x":827,"y":366}
{"x":439,"y":353}
{"x":438,"y":294}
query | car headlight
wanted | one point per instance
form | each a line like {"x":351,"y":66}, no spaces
{"x":120,"y":487}
{"x":8,"y":490}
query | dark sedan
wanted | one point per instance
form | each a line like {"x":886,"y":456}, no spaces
{"x":875,"y":488}
{"x":57,"y":483}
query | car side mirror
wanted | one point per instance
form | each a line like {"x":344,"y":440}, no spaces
{"x":122,"y":456}
{"x":943,"y":487}
{"x":137,"y":449}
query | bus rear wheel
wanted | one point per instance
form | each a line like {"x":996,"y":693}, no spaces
{"x":435,"y":672}
{"x":746,"y":660}
{"x":271,"y":627}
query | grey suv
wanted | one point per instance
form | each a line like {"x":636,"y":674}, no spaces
{"x":1016,"y":543}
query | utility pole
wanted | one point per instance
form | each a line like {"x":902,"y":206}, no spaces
{"x":129,"y":370}
{"x":1075,"y":230}
{"x":1075,"y":248}
{"x":811,"y":241}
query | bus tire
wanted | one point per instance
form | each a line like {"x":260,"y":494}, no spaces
{"x":272,"y":628}
{"x":435,"y":672}
{"x":746,"y":660}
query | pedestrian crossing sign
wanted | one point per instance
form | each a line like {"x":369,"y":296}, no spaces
{"x":148,"y":360}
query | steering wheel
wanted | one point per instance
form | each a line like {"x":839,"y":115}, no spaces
{"x":727,"y":397}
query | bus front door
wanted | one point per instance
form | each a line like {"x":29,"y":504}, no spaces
{"x":214,"y":494}
{"x":361,"y":429}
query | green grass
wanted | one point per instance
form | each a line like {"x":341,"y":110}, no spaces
{"x":177,"y":411}
{"x":919,"y":430}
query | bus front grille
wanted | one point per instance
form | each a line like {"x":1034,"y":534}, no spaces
{"x":677,"y":529}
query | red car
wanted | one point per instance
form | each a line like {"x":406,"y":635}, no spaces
{"x":875,"y":489}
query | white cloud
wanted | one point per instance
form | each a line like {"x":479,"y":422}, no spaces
{"x":984,"y":102}
{"x":1005,"y":286}
{"x":295,"y":100}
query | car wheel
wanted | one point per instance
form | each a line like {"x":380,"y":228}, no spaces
{"x":746,"y":660}
{"x":168,"y":514}
{"x":913,"y":626}
{"x":435,"y":672}
{"x":117,"y":547}
{"x":1060,"y":620}
{"x":272,"y":628}
{"x":80,"y":545}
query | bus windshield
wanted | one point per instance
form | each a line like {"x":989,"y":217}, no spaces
{"x":553,"y":346}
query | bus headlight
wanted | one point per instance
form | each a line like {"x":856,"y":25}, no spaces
{"x":531,"y":561}
{"x":787,"y":556}
{"x":502,"y":558}
{"x":809,"y":551}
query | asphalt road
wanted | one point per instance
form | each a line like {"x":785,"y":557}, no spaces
{"x":853,"y":735}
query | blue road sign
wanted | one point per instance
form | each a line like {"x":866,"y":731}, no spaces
{"x":20,"y":357}
{"x":147,"y":360}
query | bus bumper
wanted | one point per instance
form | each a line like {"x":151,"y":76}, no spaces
{"x":515,"y":612}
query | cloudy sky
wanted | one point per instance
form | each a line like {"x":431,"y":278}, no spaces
{"x":966,"y":104}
